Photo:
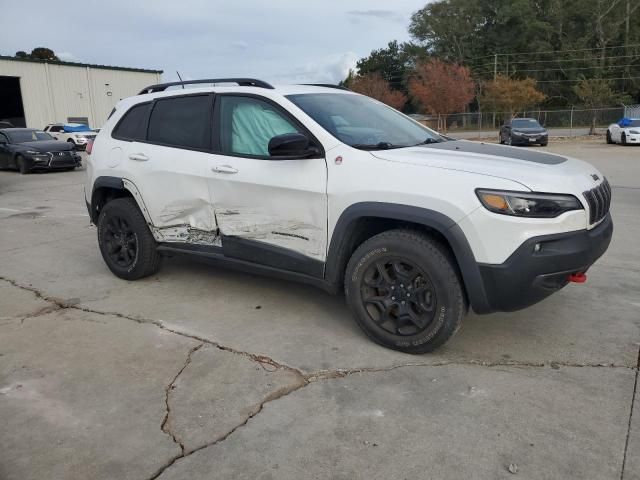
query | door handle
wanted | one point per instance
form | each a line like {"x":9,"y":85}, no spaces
{"x":140,"y":157}
{"x":224,"y":169}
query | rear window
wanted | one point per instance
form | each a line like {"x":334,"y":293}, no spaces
{"x":181,"y":122}
{"x":133,"y":124}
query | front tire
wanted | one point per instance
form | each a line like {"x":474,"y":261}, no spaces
{"x":623,"y":139}
{"x":508,"y":141}
{"x":126,"y":244}
{"x":21,"y":164}
{"x":404,"y":291}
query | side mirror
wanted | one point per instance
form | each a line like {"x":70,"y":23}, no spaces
{"x":291,"y":145}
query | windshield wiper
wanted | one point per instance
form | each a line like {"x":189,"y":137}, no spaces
{"x":428,"y":141}
{"x":377,"y":146}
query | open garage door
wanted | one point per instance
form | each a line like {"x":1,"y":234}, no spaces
{"x":11,"y":109}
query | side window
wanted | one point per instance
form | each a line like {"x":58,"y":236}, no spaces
{"x":247,"y":124}
{"x":55,"y":128}
{"x":132,"y":126}
{"x":3,"y":138}
{"x":181,"y":122}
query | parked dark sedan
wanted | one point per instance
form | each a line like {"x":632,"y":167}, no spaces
{"x":27,"y":149}
{"x":523,"y":131}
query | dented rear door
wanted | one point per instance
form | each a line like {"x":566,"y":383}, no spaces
{"x":171,"y":170}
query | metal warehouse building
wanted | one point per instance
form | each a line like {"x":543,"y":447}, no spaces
{"x":34,"y":93}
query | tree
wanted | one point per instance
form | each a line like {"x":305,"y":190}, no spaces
{"x":510,"y":95}
{"x":394,"y":63}
{"x":596,"y":93}
{"x":374,"y":86}
{"x":39,"y":53}
{"x":43,"y":53}
{"x":442,"y":87}
{"x":553,"y":41}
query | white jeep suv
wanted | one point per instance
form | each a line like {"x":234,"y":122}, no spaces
{"x":324,"y":186}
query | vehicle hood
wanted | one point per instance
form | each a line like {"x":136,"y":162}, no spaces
{"x":529,"y":130}
{"x":537,"y":171}
{"x":46,"y":146}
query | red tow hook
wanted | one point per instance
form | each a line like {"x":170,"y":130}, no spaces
{"x":578,"y":277}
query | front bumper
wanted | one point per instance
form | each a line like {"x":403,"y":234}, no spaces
{"x":633,"y":138}
{"x":53,"y":161}
{"x":529,"y":139}
{"x":529,"y":275}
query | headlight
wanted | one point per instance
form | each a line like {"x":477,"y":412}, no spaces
{"x":532,"y":205}
{"x":32,"y":152}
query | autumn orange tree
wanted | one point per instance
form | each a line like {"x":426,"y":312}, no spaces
{"x":508,"y":95}
{"x":374,"y":86}
{"x":442,"y":88}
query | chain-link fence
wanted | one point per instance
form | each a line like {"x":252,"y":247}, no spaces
{"x":569,"y":122}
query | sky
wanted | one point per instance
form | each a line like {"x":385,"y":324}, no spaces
{"x":280,"y":41}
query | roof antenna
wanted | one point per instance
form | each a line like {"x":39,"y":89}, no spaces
{"x":178,"y":73}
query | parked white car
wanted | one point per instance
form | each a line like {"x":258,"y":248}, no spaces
{"x":626,"y":132}
{"x":76,"y":133}
{"x":324,"y":186}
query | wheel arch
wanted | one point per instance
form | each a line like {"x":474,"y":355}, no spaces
{"x":364,"y":220}
{"x":107,"y":188}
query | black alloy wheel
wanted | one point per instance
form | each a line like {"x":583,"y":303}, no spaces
{"x":121,"y":241}
{"x":398,"y":296}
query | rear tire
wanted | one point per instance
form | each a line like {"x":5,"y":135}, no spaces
{"x":404,"y":291}
{"x":21,"y":163}
{"x":126,"y":244}
{"x":609,"y":139}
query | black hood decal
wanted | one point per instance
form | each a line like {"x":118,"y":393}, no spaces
{"x":499,"y":151}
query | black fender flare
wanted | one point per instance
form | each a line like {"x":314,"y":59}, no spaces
{"x":449,"y":229}
{"x":113,"y":183}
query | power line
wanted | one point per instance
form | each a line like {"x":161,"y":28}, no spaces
{"x":557,"y":60}
{"x":558,"y":51}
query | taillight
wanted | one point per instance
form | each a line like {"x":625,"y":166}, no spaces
{"x":89,"y":147}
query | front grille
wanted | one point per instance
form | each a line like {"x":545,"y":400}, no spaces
{"x":599,"y":200}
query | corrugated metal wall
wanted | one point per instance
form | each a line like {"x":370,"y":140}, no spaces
{"x":53,"y":93}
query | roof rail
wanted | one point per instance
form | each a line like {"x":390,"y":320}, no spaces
{"x":327,"y":85}
{"x":243,"y":82}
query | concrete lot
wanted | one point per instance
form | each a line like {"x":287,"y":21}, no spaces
{"x":203,"y":373}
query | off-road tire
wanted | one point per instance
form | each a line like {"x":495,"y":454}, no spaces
{"x":21,"y":163}
{"x":430,"y":258}
{"x":146,"y":259}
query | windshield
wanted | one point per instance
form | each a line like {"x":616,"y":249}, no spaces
{"x":23,"y":136}
{"x":362,"y":122}
{"x":634,"y":123}
{"x":525,"y":123}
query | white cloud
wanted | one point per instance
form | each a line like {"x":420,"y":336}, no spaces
{"x":67,"y":57}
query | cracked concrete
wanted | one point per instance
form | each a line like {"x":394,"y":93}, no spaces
{"x":218,"y":392}
{"x":432,"y":422}
{"x":178,"y":375}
